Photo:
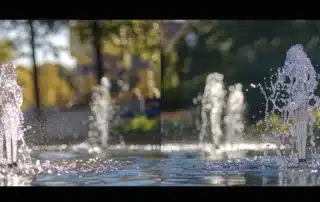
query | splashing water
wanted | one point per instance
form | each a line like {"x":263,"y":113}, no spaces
{"x":234,"y":117}
{"x":292,"y":95}
{"x":13,"y":149}
{"x":101,"y":114}
{"x":11,"y":119}
{"x":213,"y":106}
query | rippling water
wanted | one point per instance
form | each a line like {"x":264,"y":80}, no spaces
{"x":169,"y":169}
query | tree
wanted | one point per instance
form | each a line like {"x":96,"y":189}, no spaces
{"x":35,"y":38}
{"x":169,"y":40}
{"x":6,"y":50}
{"x":120,"y":38}
{"x":244,"y":51}
{"x":54,"y":90}
{"x":24,"y":79}
{"x":97,"y":37}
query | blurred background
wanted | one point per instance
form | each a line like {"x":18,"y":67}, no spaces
{"x":244,"y":51}
{"x":59,"y":62}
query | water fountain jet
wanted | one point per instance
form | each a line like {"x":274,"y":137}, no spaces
{"x":212,"y":110}
{"x":234,"y":116}
{"x":11,"y":119}
{"x":101,"y":114}
{"x":291,"y":94}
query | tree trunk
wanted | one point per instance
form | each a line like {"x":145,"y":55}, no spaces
{"x":34,"y":62}
{"x":96,"y":32}
{"x":163,"y":63}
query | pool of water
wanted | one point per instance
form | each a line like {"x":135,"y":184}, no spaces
{"x":186,"y":169}
{"x":167,"y":169}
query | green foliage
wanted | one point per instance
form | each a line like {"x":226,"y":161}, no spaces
{"x":120,"y":38}
{"x":274,"y":123}
{"x":25,"y":80}
{"x":44,"y":29}
{"x":137,"y":37}
{"x":6,"y":50}
{"x":54,"y":90}
{"x":141,"y":124}
{"x":243,"y":51}
{"x":173,"y":99}
{"x":317,"y":117}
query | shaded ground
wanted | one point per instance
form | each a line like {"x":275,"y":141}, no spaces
{"x":71,"y":127}
{"x":176,"y":116}
{"x":180,"y":127}
{"x":184,"y":126}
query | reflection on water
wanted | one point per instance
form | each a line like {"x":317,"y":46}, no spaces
{"x":15,"y":181}
{"x":174,"y":169}
{"x":299,"y":177}
{"x":225,"y":180}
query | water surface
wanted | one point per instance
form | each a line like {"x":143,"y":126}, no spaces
{"x":172,"y":169}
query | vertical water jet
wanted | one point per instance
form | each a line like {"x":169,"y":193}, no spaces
{"x":291,"y":95}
